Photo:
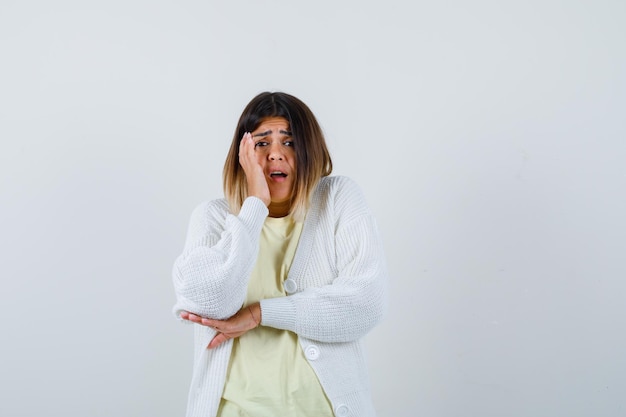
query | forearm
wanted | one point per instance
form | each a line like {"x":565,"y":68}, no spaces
{"x":350,"y":303}
{"x":210,"y":277}
{"x":339,"y":312}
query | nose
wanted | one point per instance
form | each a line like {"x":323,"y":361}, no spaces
{"x":275,"y":153}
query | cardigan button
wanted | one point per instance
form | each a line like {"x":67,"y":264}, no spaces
{"x":290,"y":286}
{"x":312,"y":352}
{"x":342,"y":410}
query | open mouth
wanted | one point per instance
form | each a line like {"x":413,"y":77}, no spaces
{"x":278,"y":174}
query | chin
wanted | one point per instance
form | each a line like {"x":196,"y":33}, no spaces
{"x":280,"y":196}
{"x":280,"y":200}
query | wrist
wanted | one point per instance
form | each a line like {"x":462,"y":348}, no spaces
{"x":255,"y":313}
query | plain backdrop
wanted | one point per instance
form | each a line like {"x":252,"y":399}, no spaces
{"x":489,"y":138}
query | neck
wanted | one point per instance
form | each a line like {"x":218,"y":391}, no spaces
{"x":279,"y":209}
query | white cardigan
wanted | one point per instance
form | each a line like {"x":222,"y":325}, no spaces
{"x":339,"y":294}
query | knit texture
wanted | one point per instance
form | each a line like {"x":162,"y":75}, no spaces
{"x":340,"y":273}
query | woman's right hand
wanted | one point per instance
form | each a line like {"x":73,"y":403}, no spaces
{"x":257,"y":184}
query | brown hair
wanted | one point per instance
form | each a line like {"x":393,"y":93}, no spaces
{"x":312,"y":157}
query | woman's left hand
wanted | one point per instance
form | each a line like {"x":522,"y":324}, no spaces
{"x":246,"y":319}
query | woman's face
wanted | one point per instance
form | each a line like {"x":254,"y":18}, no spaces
{"x":273,"y":146}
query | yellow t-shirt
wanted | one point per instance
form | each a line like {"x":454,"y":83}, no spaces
{"x":268,"y":375}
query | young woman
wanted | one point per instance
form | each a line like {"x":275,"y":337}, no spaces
{"x":282,"y":278}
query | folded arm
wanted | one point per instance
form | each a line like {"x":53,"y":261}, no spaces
{"x":211,"y":276}
{"x":352,"y":304}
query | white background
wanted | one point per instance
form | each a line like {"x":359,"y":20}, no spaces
{"x":488,"y":136}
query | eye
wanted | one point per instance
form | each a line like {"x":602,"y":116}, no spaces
{"x":260,"y":143}
{"x":288,"y":143}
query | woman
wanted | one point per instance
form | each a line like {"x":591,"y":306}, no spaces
{"x":282,"y":278}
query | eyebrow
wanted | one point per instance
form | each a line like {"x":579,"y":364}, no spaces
{"x":269,"y":132}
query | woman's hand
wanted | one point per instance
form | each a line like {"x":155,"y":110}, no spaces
{"x":246,"y":319}
{"x":257,"y":183}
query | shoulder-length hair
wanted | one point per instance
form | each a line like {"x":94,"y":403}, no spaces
{"x":312,"y":157}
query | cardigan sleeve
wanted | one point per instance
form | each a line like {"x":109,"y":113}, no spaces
{"x":211,"y":275}
{"x":355,"y":301}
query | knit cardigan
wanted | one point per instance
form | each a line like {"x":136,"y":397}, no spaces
{"x":340,"y":292}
